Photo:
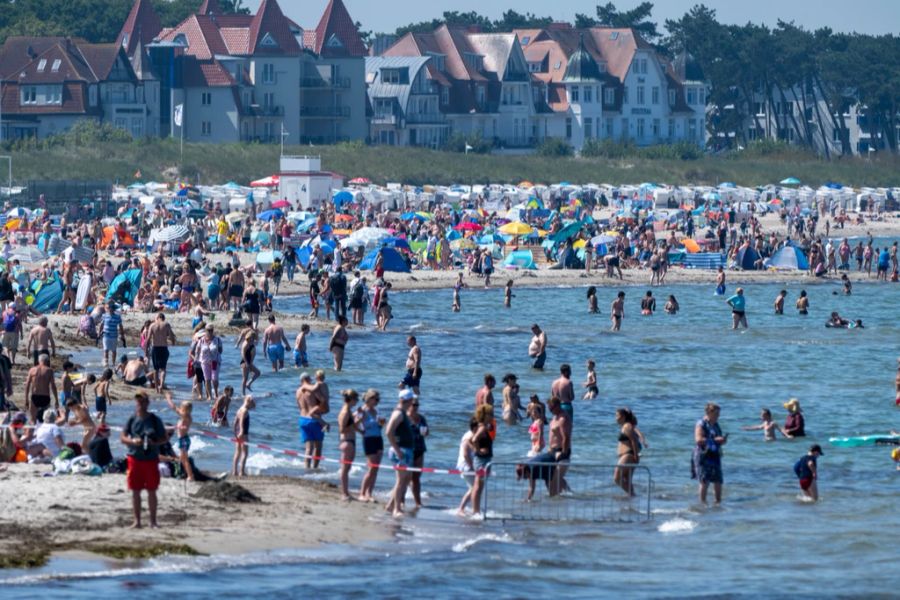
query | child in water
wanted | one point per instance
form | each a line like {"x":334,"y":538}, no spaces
{"x":590,"y":382}
{"x":219,"y":411}
{"x":101,"y":394}
{"x":767,"y":426}
{"x":807,"y":473}
{"x":183,"y":431}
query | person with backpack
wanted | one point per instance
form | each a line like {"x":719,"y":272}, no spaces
{"x":807,"y":472}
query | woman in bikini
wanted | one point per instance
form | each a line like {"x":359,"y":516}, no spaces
{"x":627,"y":450}
{"x":338,"y":341}
{"x":348,"y":425}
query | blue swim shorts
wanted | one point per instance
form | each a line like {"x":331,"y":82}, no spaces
{"x":275,"y":352}
{"x":310,"y":430}
{"x":301,"y":359}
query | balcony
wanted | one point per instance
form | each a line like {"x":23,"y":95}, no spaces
{"x":255,"y":110}
{"x":325,"y":112}
{"x":319,"y":83}
{"x":385,"y":119}
{"x":425,"y":118}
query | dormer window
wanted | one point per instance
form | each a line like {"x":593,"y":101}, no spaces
{"x":125,"y":41}
{"x":614,"y":35}
{"x":334,"y":42}
{"x":671,"y":97}
{"x":268,"y":41}
{"x":56,"y":63}
{"x":475,"y":61}
{"x":42,"y":64}
{"x":526,"y":40}
{"x":181,"y":40}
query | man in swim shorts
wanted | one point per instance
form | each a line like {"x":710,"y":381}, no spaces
{"x":312,"y":426}
{"x":39,"y":384}
{"x":275,"y":342}
{"x":413,"y":365}
{"x":301,"y":358}
{"x":161,"y":335}
{"x":235,"y":288}
{"x":537,"y":349}
{"x":617,"y":311}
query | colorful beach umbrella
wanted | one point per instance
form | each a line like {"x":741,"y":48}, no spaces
{"x":360,"y":181}
{"x":469,"y":226}
{"x":790,"y":181}
{"x":516,"y":228}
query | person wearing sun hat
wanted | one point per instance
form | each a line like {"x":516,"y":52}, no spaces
{"x":794,"y":425}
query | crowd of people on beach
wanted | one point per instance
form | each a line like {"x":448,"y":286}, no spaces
{"x":182,"y":277}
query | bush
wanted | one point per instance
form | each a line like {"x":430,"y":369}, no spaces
{"x":612,"y":149}
{"x":555,"y":147}
{"x":458,"y":142}
{"x":87,"y":132}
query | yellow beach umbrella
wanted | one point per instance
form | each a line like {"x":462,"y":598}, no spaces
{"x":516,"y":228}
{"x":579,"y":244}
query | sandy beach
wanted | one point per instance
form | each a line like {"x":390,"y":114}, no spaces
{"x":43,"y":515}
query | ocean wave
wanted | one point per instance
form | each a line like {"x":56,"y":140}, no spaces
{"x":677,"y":525}
{"x":464,"y":546}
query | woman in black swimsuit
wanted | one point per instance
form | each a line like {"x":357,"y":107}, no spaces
{"x":247,"y":343}
{"x":347,"y":427}
{"x":627,"y":450}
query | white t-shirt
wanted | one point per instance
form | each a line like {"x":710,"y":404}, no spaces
{"x":46,"y":435}
{"x":464,"y":451}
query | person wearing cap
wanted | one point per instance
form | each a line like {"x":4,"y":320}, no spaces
{"x":738,"y":306}
{"x":807,"y":473}
{"x":142,"y":436}
{"x":794,"y":425}
{"x":402,"y":445}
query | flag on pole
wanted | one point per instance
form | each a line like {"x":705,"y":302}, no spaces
{"x":179,"y":110}
{"x":468,"y":147}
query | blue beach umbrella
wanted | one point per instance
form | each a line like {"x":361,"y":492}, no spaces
{"x":342,"y":197}
{"x":268,"y":215}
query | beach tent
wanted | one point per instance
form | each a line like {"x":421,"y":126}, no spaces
{"x":788,"y":258}
{"x":46,"y":294}
{"x":746,"y":259}
{"x":124,"y":287}
{"x":690,"y":245}
{"x":125,"y":239}
{"x":392,"y":261}
{"x":519,"y":259}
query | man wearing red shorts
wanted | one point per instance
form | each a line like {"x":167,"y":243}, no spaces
{"x":143,"y":435}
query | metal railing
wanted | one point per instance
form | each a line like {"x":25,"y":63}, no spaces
{"x":566,"y":492}
{"x":322,"y":83}
{"x":324,"y":111}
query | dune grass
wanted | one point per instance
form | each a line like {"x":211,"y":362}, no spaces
{"x":160,"y":160}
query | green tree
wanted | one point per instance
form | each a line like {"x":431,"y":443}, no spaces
{"x":234,"y":7}
{"x":638,"y":18}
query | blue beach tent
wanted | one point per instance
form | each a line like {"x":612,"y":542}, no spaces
{"x":124,"y":287}
{"x":393,"y":262}
{"x":746,"y":259}
{"x":789,"y":258}
{"x":47,"y":294}
{"x":520,"y":259}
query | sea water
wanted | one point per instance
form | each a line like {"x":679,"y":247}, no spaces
{"x":762,"y":540}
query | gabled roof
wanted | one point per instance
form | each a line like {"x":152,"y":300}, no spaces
{"x":31,"y":60}
{"x":618,"y":46}
{"x":73,"y":102}
{"x":202,"y":35}
{"x":451,"y":42}
{"x":337,"y":35}
{"x":581,"y":66}
{"x":141,"y":26}
{"x":206,"y":73}
{"x":270,"y":32}
{"x":378,"y":89}
{"x":496,"y":48}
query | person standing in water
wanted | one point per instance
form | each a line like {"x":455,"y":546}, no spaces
{"x":738,"y":306}
{"x":507,"y":294}
{"x":457,"y":303}
{"x":648,"y":304}
{"x":706,"y":464}
{"x":808,"y":473}
{"x":590,"y":382}
{"x":592,"y":300}
{"x":720,"y":282}
{"x":537,"y":349}
{"x":617,"y":311}
{"x":779,"y":302}
{"x":803,"y":303}
{"x":413,"y":365}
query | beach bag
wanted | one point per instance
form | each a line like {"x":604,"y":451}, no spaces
{"x":190,"y":368}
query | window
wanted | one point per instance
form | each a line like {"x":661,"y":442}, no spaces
{"x":602,"y":67}
{"x":625,"y":95}
{"x":636,"y":66}
{"x":445,"y":96}
{"x":654,"y":95}
{"x":692,"y":129}
{"x":614,"y":35}
{"x":759,"y":108}
{"x":671,"y":129}
{"x":836,"y":134}
{"x":644,"y":66}
{"x":206,"y":98}
{"x":29,"y":94}
{"x":588,"y":128}
{"x":568,"y":129}
{"x":640,"y":95}
{"x":671,"y":97}
{"x":557,"y":65}
{"x":121,"y":123}
{"x":691,"y":96}
{"x":269,"y":131}
{"x":609,"y":127}
{"x":655,"y":130}
{"x":701,"y":97}
{"x":137,"y":127}
{"x":624,"y":128}
{"x":588,"y":94}
{"x":54,"y":94}
{"x":269,"y":100}
{"x":640,"y":128}
{"x":42,"y":64}
{"x":573,"y":94}
{"x":205,"y":128}
{"x":268,"y":73}
{"x":56,"y":63}
{"x":390,"y":76}
{"x":479,"y":95}
{"x":609,"y":96}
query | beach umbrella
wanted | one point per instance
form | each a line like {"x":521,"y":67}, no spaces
{"x":270,"y":181}
{"x":172,"y":233}
{"x":534,"y":203}
{"x":360,"y":181}
{"x":19,"y":212}
{"x":268,"y":215}
{"x":352,"y":242}
{"x":579,"y":244}
{"x":468,"y":226}
{"x":566,"y":232}
{"x":395,"y":242}
{"x":425,"y":216}
{"x":602,"y":239}
{"x":453,"y":235}
{"x":268,"y":257}
{"x":409,"y":216}
{"x":790,"y":181}
{"x":234,"y":217}
{"x":491,"y":238}
{"x":14,"y":224}
{"x":516,"y":228}
{"x":27,"y":254}
{"x":342,"y":232}
{"x":342,"y":197}
{"x":281,"y":204}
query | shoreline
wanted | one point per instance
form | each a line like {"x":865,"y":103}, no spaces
{"x":51,"y":518}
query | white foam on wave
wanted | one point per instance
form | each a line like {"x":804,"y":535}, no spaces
{"x":198,"y":444}
{"x":485,"y":537}
{"x":263,"y":461}
{"x":677,"y":525}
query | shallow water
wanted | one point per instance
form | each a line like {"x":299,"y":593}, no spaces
{"x":762,"y":540}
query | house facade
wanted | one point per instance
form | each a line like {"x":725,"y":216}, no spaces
{"x":50,"y":83}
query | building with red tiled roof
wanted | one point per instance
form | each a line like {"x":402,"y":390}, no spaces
{"x":49,"y":83}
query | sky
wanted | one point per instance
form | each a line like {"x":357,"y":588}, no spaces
{"x":864,"y":16}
